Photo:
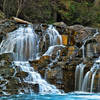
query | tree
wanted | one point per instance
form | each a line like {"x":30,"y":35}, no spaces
{"x":97,"y":3}
{"x":20,"y":6}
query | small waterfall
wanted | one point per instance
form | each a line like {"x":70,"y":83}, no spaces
{"x":54,"y":36}
{"x":86,"y":81}
{"x":79,"y":76}
{"x":91,"y":80}
{"x":86,"y":39}
{"x":23,"y":42}
{"x":35,"y":78}
{"x":50,"y":50}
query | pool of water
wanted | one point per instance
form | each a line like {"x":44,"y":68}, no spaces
{"x":68,"y":96}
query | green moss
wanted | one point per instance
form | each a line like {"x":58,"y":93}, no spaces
{"x":2,"y":15}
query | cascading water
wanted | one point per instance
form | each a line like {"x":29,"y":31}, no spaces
{"x":91,"y":82}
{"x":88,"y":83}
{"x":79,"y":76}
{"x":54,"y":36}
{"x":24,"y":44}
{"x":91,"y":77}
{"x":35,"y":78}
{"x":85,"y":40}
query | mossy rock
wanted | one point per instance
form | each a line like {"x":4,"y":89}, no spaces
{"x":2,"y":15}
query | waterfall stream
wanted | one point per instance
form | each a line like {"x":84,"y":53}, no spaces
{"x":24,"y":44}
{"x":35,"y":78}
{"x":79,"y":76}
{"x":85,"y":40}
{"x":90,"y":80}
{"x":88,"y":83}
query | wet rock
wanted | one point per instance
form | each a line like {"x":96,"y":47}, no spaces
{"x":61,"y":27}
{"x":41,"y":64}
{"x":71,"y":50}
{"x":78,"y":33}
{"x":44,"y":43}
{"x":6,"y":59}
{"x":60,"y":24}
{"x":5,"y":27}
{"x":21,"y":74}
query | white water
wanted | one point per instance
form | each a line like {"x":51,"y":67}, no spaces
{"x":85,"y":40}
{"x":79,"y":76}
{"x":54,"y":36}
{"x":89,"y":80}
{"x":92,"y":81}
{"x":50,"y":50}
{"x":35,"y":78}
{"x":86,"y":82}
{"x":24,"y":44}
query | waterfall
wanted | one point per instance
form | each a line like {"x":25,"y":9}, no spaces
{"x":91,"y":81}
{"x":50,"y":50}
{"x":35,"y":78}
{"x":86,"y":82}
{"x":86,"y":39}
{"x":54,"y":36}
{"x":79,"y":76}
{"x":24,"y":44}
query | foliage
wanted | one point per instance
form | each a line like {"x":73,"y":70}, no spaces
{"x":80,"y":13}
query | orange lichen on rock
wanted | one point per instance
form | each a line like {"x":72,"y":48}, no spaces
{"x":71,"y":50}
{"x":65,"y":39}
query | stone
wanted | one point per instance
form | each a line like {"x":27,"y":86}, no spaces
{"x":21,"y":74}
{"x":64,"y":39}
{"x":71,"y":50}
{"x":6,"y":26}
{"x":60,"y":24}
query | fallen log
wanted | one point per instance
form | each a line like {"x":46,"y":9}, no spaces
{"x":18,"y":20}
